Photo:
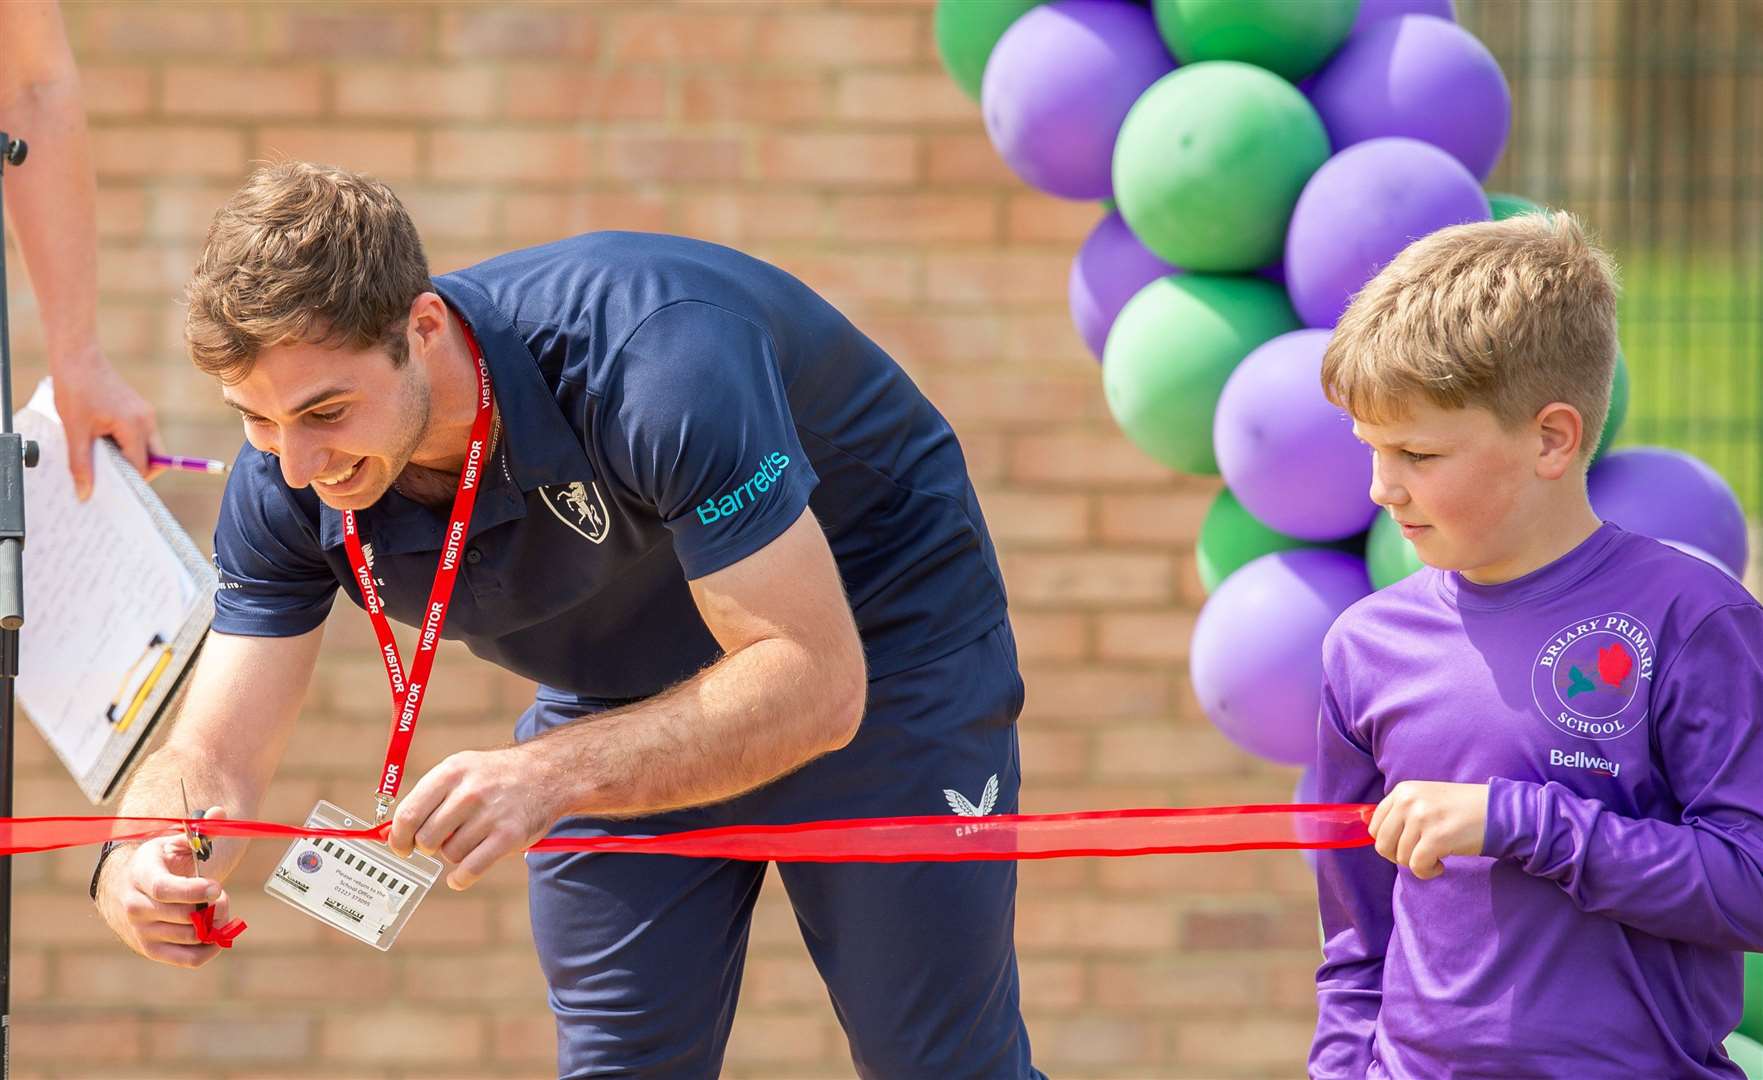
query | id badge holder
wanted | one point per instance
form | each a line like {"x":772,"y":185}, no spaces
{"x":357,"y":886}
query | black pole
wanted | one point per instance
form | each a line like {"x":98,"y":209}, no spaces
{"x":15,"y":454}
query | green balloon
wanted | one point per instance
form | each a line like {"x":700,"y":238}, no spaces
{"x":1230,"y":537}
{"x":1388,"y":554}
{"x":966,"y":32}
{"x":1172,"y":348}
{"x":1286,"y":37}
{"x":1747,"y":1054}
{"x":1210,"y":162}
{"x":1618,"y":407}
{"x":1751,"y":1023}
{"x":1510,"y":206}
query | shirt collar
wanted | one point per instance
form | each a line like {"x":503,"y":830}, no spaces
{"x":537,"y":444}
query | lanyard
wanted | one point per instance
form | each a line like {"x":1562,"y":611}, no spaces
{"x":407,"y":693}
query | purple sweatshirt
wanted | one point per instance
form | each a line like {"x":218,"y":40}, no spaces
{"x":1612,"y":701}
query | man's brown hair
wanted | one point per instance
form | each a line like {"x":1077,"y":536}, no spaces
{"x":304,"y":253}
{"x":1505,"y":315}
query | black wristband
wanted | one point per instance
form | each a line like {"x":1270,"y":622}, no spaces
{"x":103,"y":853}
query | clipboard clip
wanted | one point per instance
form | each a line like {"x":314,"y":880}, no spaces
{"x":139,"y":697}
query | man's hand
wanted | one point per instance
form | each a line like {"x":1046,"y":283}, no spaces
{"x":147,"y":899}
{"x":474,"y":808}
{"x":94,"y":401}
{"x":1421,"y":821}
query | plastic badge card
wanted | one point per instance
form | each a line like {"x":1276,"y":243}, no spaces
{"x":358,"y":886}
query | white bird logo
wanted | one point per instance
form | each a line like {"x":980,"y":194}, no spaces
{"x":988,"y":799}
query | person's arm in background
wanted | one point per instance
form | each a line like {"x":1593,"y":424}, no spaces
{"x":1355,"y":889}
{"x":51,"y":205}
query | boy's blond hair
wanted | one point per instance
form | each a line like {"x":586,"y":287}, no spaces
{"x":304,"y":253}
{"x":1505,"y":315}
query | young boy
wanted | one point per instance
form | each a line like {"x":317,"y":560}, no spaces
{"x":1557,"y":719}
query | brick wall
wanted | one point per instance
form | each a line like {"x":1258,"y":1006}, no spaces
{"x":821,"y":136}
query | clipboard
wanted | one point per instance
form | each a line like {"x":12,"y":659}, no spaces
{"x":118,"y":601}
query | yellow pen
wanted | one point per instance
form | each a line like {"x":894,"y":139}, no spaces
{"x":159,"y":666}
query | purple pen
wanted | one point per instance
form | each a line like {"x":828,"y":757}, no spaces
{"x":187,"y":464}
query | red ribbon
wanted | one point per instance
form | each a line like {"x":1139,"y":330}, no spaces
{"x":939,"y":838}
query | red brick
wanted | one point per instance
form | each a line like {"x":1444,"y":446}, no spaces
{"x":1090,"y":459}
{"x":773,"y":982}
{"x":410,"y":92}
{"x":966,"y":159}
{"x":996,"y":279}
{"x":847,"y":159}
{"x":641,"y":156}
{"x":451,"y":214}
{"x":1052,"y":983}
{"x":208,"y":90}
{"x":116,"y":90}
{"x":1088,"y":696}
{"x":71,"y":1038}
{"x":487,"y":155}
{"x":536,"y":216}
{"x":1248,"y":929}
{"x":1150,"y":752}
{"x":888,"y":97}
{"x":1034,"y":217}
{"x":1165,"y":518}
{"x":847,"y":278}
{"x":1050,"y":635}
{"x":1246,"y":1044}
{"x":518,"y":32}
{"x":1159,"y":637}
{"x":352,"y":30}
{"x":1025,"y":399}
{"x":779,"y":1037}
{"x":1165,"y":986}
{"x":527,"y":1039}
{"x":1089,"y":578}
{"x":658,"y":34}
{"x":1227,"y":873}
{"x":738,"y":216}
{"x":1095,"y":1040}
{"x":564,"y":94}
{"x":224,"y":1039}
{"x":1100,"y":925}
{"x":1054,"y":755}
{"x":331,"y":974}
{"x":170,"y":151}
{"x":915,"y":219}
{"x":122,"y":213}
{"x":1029,"y":519}
{"x":838,"y":39}
{"x":763,"y":99}
{"x":402,"y":1037}
{"x":388,"y":153}
{"x":510,"y":980}
{"x":156,"y":31}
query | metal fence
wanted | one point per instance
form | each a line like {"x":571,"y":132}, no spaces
{"x":1646,"y":117}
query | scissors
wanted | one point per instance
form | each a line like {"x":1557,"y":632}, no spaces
{"x":202,"y":917}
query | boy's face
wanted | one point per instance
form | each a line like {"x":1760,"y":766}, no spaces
{"x":1458,"y":482}
{"x":344,"y":422}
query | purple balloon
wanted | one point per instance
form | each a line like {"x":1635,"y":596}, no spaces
{"x":1058,"y":85}
{"x":1420,"y":76}
{"x":1371,"y":11}
{"x":1256,"y":657}
{"x":1287,"y":453}
{"x":1110,"y":269}
{"x":1360,"y":210}
{"x":1670,"y":495}
{"x":1691,"y":549}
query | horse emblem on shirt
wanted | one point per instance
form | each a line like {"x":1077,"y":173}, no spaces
{"x":580,"y":506}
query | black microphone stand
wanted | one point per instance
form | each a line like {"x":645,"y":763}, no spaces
{"x":16,"y":455}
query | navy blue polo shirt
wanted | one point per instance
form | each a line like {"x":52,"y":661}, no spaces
{"x":669,"y":407}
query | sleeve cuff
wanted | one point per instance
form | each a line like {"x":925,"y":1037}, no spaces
{"x":1511,"y":831}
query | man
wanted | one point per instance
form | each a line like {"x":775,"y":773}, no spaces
{"x":51,"y":208}
{"x":723,"y":530}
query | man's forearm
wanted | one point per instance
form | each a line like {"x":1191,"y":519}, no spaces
{"x":51,"y":203}
{"x":157,"y":790}
{"x":752,"y":717}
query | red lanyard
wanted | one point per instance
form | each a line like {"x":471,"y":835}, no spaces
{"x":407,"y":695}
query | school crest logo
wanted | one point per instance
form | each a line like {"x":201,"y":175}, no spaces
{"x":1593,"y":679}
{"x":581,"y":507}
